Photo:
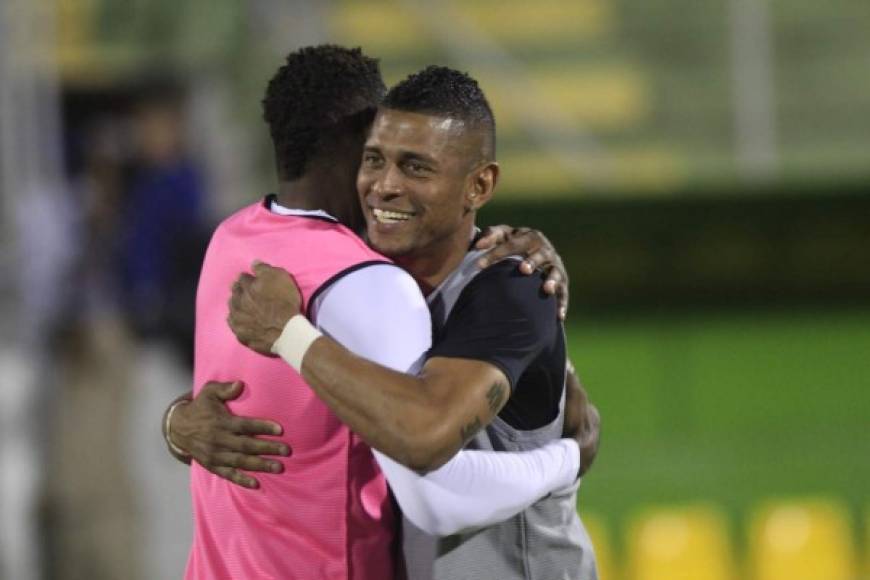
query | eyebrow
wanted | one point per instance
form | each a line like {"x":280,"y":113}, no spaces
{"x":405,"y":155}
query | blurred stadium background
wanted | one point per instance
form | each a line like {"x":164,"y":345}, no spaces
{"x":703,"y":165}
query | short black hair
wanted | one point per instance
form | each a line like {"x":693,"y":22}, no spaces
{"x":443,"y":91}
{"x":318,"y":91}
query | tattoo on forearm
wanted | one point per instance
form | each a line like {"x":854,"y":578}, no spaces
{"x":495,"y":396}
{"x":468,"y":431}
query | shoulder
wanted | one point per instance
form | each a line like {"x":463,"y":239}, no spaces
{"x":378,"y":312}
{"x":503,"y":283}
{"x":501,"y":317}
{"x":501,"y":300}
{"x":375,"y":287}
{"x":505,"y":269}
{"x":360,"y":247}
{"x":226,"y":227}
{"x":238,"y":216}
{"x":334,"y":239}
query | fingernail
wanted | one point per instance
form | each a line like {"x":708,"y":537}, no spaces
{"x":285,"y":451}
{"x":276,"y":467}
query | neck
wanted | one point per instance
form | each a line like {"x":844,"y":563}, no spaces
{"x":311,"y":192}
{"x":431,"y":265}
{"x":300,"y":194}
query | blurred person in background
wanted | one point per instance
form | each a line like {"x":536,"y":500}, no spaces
{"x":165,"y":224}
{"x":164,"y":229}
{"x":49,"y":244}
{"x":141,"y":222}
{"x":65,"y":390}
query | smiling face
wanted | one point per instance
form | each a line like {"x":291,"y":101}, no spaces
{"x":421,"y":179}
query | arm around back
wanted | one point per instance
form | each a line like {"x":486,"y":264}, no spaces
{"x":378,"y":313}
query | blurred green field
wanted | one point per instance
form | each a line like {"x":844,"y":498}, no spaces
{"x":732,"y":408}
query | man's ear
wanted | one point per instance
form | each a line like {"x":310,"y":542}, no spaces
{"x":484,"y":179}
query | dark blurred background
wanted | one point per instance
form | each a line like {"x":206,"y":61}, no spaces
{"x":703,"y":166}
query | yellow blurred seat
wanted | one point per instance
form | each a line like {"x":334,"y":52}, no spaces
{"x":688,"y":543}
{"x":600,"y":536}
{"x":867,"y":542}
{"x":807,"y":540}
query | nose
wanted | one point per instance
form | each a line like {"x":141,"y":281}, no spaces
{"x":388,"y":184}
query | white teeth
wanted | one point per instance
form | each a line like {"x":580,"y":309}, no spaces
{"x":390,"y":217}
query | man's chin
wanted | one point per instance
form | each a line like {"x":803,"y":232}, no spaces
{"x":390,"y":248}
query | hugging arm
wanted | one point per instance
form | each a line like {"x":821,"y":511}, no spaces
{"x":391,"y":326}
{"x":582,"y":421}
{"x":480,"y":488}
{"x":420,"y":421}
{"x":202,"y":429}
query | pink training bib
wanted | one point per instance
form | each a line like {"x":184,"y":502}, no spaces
{"x":328,"y":515}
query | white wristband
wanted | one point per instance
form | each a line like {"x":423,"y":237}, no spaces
{"x":297,"y":336}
